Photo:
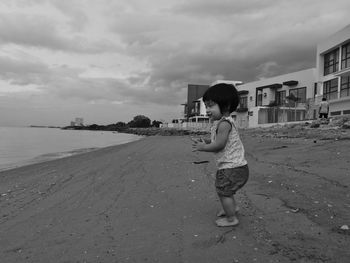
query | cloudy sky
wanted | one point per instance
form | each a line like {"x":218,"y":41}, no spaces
{"x":110,"y":60}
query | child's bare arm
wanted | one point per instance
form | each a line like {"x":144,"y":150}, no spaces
{"x":223,"y":131}
{"x":201,"y":139}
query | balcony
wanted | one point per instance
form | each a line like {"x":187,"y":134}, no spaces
{"x":242,"y":109}
{"x":243,"y":92}
{"x":271,"y":86}
{"x":290,"y":83}
{"x":343,"y":73}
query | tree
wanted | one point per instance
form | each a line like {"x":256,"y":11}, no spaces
{"x":140,"y":121}
{"x":292,"y":97}
{"x":94,"y":127}
{"x":156,"y":123}
{"x":120,"y":124}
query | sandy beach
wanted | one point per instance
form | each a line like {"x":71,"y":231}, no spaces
{"x":147,"y":201}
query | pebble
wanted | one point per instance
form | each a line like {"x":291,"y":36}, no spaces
{"x":344,"y":227}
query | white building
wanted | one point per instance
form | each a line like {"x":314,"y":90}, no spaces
{"x":271,"y":100}
{"x":333,"y":71}
{"x":77,"y":122}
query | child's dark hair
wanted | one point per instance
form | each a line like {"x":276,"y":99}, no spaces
{"x":225,"y":95}
{"x":324,"y":99}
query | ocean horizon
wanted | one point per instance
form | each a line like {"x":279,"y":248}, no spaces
{"x":20,"y":146}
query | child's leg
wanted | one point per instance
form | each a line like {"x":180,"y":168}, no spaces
{"x":222,"y":211}
{"x":229,"y":206}
{"x":227,"y":182}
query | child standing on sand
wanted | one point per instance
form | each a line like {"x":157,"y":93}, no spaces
{"x":220,"y":101}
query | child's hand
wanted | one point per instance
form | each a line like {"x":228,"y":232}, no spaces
{"x":197,"y":144}
{"x":197,"y":140}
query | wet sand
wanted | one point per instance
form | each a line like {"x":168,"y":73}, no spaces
{"x":146,"y":201}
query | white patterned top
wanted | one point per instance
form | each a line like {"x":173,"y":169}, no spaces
{"x":232,"y":155}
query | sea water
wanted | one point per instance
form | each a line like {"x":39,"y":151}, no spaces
{"x":25,"y":145}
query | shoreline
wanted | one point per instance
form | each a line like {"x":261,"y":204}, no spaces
{"x":21,"y":153}
{"x":46,"y":158}
{"x":54,"y":156}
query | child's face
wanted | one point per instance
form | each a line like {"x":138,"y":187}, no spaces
{"x":213,"y":110}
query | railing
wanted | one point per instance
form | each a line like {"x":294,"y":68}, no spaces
{"x":281,"y":115}
{"x":187,"y":125}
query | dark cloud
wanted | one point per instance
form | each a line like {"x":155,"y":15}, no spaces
{"x":247,"y":40}
{"x":220,"y":8}
{"x":66,"y":82}
{"x":42,"y":32}
{"x":21,"y":72}
{"x":28,"y":30}
{"x":78,"y":19}
{"x":8,"y":65}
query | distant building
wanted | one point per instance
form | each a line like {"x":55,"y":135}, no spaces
{"x":77,"y":122}
{"x":194,"y":92}
{"x":283,"y":98}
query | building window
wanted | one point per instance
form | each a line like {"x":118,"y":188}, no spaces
{"x":299,"y":93}
{"x":335,"y":113}
{"x":331,"y":62}
{"x":330,"y":89}
{"x":259,"y":101}
{"x":345,"y":56}
{"x":259,"y":98}
{"x":315,"y":90}
{"x":196,"y":109}
{"x":243,"y":102}
{"x":345,"y":86}
{"x":281,"y":97}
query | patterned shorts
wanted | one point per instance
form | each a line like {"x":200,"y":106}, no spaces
{"x":228,"y":181}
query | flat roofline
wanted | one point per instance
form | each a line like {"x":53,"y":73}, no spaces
{"x":334,"y":40}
